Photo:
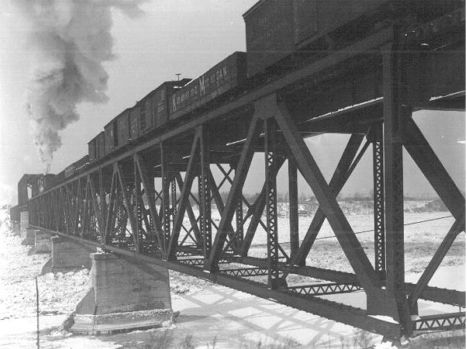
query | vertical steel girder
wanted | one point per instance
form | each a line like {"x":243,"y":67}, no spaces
{"x":165,"y":195}
{"x":103,"y":203}
{"x":173,"y":197}
{"x":293,"y":209}
{"x":138,"y":206}
{"x":274,"y":281}
{"x":395,"y":115}
{"x":205,"y":192}
{"x":111,"y":208}
{"x":378,"y":201}
{"x":95,"y":205}
{"x":239,"y":233}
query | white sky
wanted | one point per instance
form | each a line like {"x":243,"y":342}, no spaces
{"x":174,"y":36}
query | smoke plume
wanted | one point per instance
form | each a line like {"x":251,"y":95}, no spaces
{"x":68,"y":40}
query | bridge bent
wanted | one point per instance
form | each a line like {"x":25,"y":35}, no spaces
{"x":137,"y":201}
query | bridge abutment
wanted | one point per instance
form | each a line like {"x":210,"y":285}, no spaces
{"x":123,"y":297}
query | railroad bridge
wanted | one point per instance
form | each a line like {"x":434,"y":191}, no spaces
{"x":141,"y":201}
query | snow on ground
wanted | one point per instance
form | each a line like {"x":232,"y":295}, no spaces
{"x":210,"y":315}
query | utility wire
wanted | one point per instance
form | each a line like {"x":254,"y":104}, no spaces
{"x":406,"y":224}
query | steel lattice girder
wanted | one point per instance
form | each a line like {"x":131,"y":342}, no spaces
{"x":246,"y":272}
{"x":440,"y":322}
{"x":323,"y":289}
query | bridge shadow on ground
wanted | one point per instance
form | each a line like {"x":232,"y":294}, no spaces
{"x":234,"y":316}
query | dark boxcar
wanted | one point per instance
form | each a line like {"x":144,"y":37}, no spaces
{"x":100,"y":145}
{"x":111,"y":136}
{"x":269,"y":33}
{"x":134,"y":122}
{"x":154,"y":108}
{"x":223,"y":77}
{"x":81,"y":164}
{"x":70,"y":170}
{"x":276,"y":28}
{"x":123,"y":128}
{"x":315,"y":18}
{"x":146,"y":122}
{"x":92,"y":149}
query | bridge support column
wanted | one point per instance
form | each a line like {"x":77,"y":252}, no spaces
{"x":15,"y":227}
{"x":42,"y":242}
{"x":68,"y":254}
{"x":24,"y":222}
{"x":124,"y":296}
{"x":28,"y":236}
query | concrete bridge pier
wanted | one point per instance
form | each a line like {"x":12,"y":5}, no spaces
{"x":124,"y":296}
{"x":42,"y":242}
{"x":23,"y":223}
{"x":66,"y":255}
{"x":16,"y":227}
{"x":28,"y":235}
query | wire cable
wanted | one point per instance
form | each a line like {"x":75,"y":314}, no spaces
{"x":406,"y":224}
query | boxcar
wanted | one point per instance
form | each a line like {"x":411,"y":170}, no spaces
{"x":269,"y":33}
{"x":100,"y":145}
{"x":134,"y":120}
{"x":110,"y":135}
{"x":223,"y":77}
{"x":92,"y":149}
{"x":276,"y":28}
{"x":70,"y":170}
{"x":81,"y":164}
{"x":146,"y":122}
{"x":123,"y":128}
{"x":77,"y":166}
{"x":154,"y":107}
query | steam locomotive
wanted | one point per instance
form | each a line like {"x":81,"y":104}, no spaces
{"x":279,"y":34}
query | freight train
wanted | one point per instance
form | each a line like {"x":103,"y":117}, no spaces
{"x":278,"y":34}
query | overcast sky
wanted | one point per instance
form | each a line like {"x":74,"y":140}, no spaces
{"x":173,"y":36}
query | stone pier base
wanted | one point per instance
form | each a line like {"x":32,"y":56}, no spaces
{"x":42,"y":242}
{"x":67,"y":254}
{"x":15,"y":227}
{"x":23,"y":223}
{"x":123,"y":297}
{"x":28,"y":236}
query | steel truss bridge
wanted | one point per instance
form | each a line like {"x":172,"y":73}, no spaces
{"x":137,"y":202}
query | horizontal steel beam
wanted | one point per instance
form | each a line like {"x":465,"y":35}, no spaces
{"x":441,"y":322}
{"x":324,"y":289}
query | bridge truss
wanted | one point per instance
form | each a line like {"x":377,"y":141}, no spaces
{"x":155,"y":200}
